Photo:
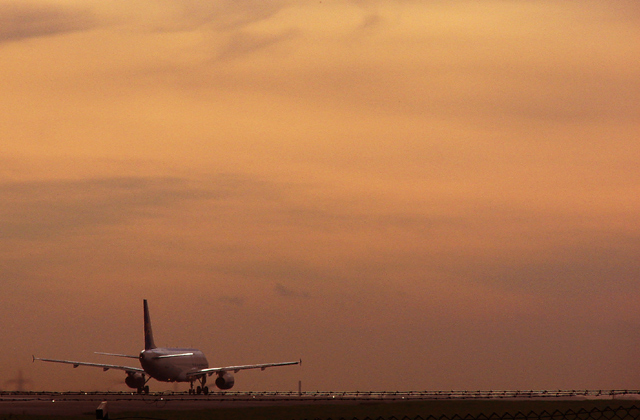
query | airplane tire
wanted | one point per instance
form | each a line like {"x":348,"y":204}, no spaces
{"x":198,"y":390}
{"x":146,"y":390}
{"x":205,"y":390}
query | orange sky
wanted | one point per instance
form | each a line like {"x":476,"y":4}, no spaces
{"x":409,"y":195}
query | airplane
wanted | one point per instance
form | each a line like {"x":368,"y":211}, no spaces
{"x":170,"y":365}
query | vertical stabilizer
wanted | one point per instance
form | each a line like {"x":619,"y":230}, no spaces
{"x":148,"y":333}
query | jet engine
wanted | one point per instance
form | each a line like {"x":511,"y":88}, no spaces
{"x":225,"y":380}
{"x":135,"y":380}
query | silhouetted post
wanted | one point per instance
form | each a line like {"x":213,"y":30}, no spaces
{"x":102,"y":412}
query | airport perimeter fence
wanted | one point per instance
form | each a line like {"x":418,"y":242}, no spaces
{"x":607,"y":413}
{"x":362,"y":395}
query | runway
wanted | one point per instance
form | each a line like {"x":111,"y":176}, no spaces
{"x":77,"y":403}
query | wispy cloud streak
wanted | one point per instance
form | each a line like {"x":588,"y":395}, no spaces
{"x":24,"y":20}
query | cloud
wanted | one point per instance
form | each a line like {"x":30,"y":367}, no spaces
{"x":220,"y":16}
{"x":23,"y":20}
{"x":230,"y":21}
{"x":372,"y":21}
{"x":231,"y":300}
{"x":230,"y":14}
{"x":47,"y":209}
{"x":242,"y":43}
{"x":288,"y":292}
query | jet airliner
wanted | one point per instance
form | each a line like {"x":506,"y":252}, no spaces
{"x":170,"y":365}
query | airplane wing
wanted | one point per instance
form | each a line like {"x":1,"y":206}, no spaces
{"x":235,"y":369}
{"x":100,"y":365}
{"x":117,"y":355}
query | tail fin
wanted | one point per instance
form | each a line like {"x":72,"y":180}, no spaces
{"x":148,"y":333}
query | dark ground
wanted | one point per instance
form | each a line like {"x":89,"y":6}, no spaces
{"x":182,"y":408}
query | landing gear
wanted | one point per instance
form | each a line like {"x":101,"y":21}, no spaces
{"x":143,"y":390}
{"x":200,"y":389}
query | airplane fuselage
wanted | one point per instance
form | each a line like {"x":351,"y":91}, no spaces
{"x":171,"y":364}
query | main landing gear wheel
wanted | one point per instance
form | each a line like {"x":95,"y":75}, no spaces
{"x":144,"y":390}
{"x":200,"y":389}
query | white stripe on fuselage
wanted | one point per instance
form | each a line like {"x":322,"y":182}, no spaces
{"x":172,"y":365}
